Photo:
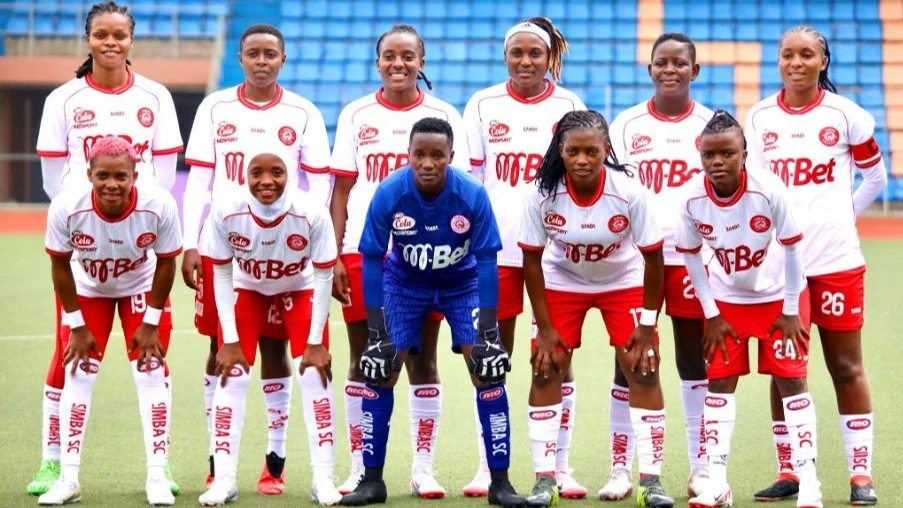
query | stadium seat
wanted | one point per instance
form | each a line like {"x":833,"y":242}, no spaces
{"x":871,"y":97}
{"x":845,"y":32}
{"x":331,"y":72}
{"x":190,"y":26}
{"x":292,"y":10}
{"x":481,"y":29}
{"x":357,"y":72}
{"x":312,"y":28}
{"x":44,"y":25}
{"x":870,"y":52}
{"x":869,"y":74}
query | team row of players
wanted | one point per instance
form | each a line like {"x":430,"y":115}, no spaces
{"x":810,"y":136}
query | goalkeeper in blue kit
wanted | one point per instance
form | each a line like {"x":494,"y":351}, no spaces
{"x":443,"y":258}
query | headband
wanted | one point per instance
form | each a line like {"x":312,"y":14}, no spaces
{"x":529,"y":28}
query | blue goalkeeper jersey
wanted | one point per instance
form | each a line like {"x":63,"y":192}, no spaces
{"x":435,"y":244}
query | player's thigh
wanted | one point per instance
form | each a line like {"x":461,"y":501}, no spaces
{"x":620,"y":313}
{"x":511,"y":292}
{"x":296,"y":309}
{"x":98,"y":314}
{"x":405,"y":310}
{"x":679,"y":295}
{"x":251,"y":310}
{"x":838,"y":300}
{"x":567,"y":311}
{"x":357,"y":310}
{"x":206,"y":319}
{"x":461,"y":310}
{"x":748,"y":321}
{"x":131,"y":314}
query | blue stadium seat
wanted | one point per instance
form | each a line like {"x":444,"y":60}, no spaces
{"x":436,"y":10}
{"x":870,"y":52}
{"x":458,"y":30}
{"x":291,"y":30}
{"x":866,"y":11}
{"x":333,"y":52}
{"x":722,"y":74}
{"x":577,"y":11}
{"x":623,"y":11}
{"x":843,"y":52}
{"x":44,"y":25}
{"x":291,"y":10}
{"x":701,"y":30}
{"x":869,"y":74}
{"x":485,"y":51}
{"x":770,"y":31}
{"x":363,"y":29}
{"x":722,"y":31}
{"x":701,"y":95}
{"x":307,"y":72}
{"x":600,"y":73}
{"x":452,"y":94}
{"x":722,"y":98}
{"x":577,"y":31}
{"x":162,"y":27}
{"x":844,"y":32}
{"x":575,"y":75}
{"x":794,"y":12}
{"x":338,"y":29}
{"x":600,"y":52}
{"x":451,"y":73}
{"x":357,"y":72}
{"x":331,"y":72}
{"x":624,"y":75}
{"x":602,"y":30}
{"x":747,"y":11}
{"x":871,"y":97}
{"x":676,"y":10}
{"x":746,"y":31}
{"x":481,"y":29}
{"x":555,"y":11}
{"x":844,"y":74}
{"x":771,"y":75}
{"x":770,"y":11}
{"x":819,"y":12}
{"x":724,"y":12}
{"x":340,"y":9}
{"x":625,"y":53}
{"x":308,"y":50}
{"x":363,"y":51}
{"x":17,"y":26}
{"x":190,"y":26}
{"x":455,"y":51}
{"x":871,"y":32}
{"x":312,"y":28}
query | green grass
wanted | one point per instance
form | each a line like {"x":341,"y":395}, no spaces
{"x":113,"y":463}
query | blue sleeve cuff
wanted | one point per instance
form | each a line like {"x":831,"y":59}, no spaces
{"x":373,"y":280}
{"x":488,"y":280}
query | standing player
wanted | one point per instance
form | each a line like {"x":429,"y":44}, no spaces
{"x":754,"y":293}
{"x":813,"y":139}
{"x":443,"y":257}
{"x":282,"y":245}
{"x":658,"y":137}
{"x":229,"y":124}
{"x":507,"y":125}
{"x":589,"y":242}
{"x":113,"y":226}
{"x":371,"y":142}
{"x":105,"y":98}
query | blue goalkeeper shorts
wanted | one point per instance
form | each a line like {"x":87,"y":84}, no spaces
{"x":406,"y":308}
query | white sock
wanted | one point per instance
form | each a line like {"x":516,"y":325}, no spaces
{"x":799,"y":413}
{"x":50,"y":423}
{"x":543,"y":424}
{"x":692,"y":395}
{"x":783,"y":449}
{"x":720,"y":413}
{"x":169,"y":406}
{"x":621,"y":440}
{"x":209,"y":388}
{"x":153,"y":405}
{"x":277,"y":396}
{"x":426,"y":408}
{"x":649,"y":432}
{"x":858,"y":442}
{"x":75,"y":409}
{"x":228,"y":419}
{"x":319,"y":418}
{"x":481,"y":446}
{"x":353,"y":390}
{"x":566,"y":430}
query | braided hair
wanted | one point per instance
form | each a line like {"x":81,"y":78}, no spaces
{"x":823,"y":80}
{"x":110,"y":7}
{"x":677,"y":37}
{"x":559,"y":45}
{"x":722,"y":121}
{"x":402,"y":28}
{"x":552,"y":169}
{"x":262,"y":28}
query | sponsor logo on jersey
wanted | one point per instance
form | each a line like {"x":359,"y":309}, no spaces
{"x":270,"y":269}
{"x":803,"y":171}
{"x":640,"y":143}
{"x":703,"y":228}
{"x":514,"y":167}
{"x":145,"y":117}
{"x":379,"y":165}
{"x":296,"y":242}
{"x":769,"y":138}
{"x":740,"y":259}
{"x":829,"y":136}
{"x":618,"y":223}
{"x":590,"y":252}
{"x":426,"y":392}
{"x":658,"y":173}
{"x":367,"y":133}
{"x":553,"y":219}
{"x":272,"y":387}
{"x":287,"y":135}
{"x":225,"y":132}
{"x":80,"y":239}
{"x":82,"y":118}
{"x":402,"y":222}
{"x":436,"y":257}
{"x":542,"y":415}
{"x":237,"y":241}
{"x":497,"y":130}
{"x":760,"y":223}
{"x":460,"y":224}
{"x":104,"y":268}
{"x":798,"y":404}
{"x":859,"y":424}
{"x":491,"y":394}
{"x":715,"y":401}
{"x":145,"y":240}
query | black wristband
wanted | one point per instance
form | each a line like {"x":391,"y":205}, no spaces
{"x":488,"y":318}
{"x":376,"y":318}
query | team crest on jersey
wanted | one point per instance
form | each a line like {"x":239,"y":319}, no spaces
{"x":82,"y":240}
{"x":618,"y":223}
{"x":402,"y":222}
{"x":460,"y":224}
{"x":367,"y":132}
{"x":145,"y":117}
{"x":237,"y":241}
{"x":81,"y":117}
{"x":225,"y":130}
{"x":145,"y":240}
{"x":640,"y":143}
{"x":296,"y":242}
{"x":760,"y":223}
{"x":829,"y":136}
{"x":287,"y":135}
{"x":703,"y":228}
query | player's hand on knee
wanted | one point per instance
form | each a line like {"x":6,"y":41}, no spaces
{"x":380,"y":358}
{"x":78,"y":350}
{"x":488,"y":359}
{"x":228,"y":358}
{"x":545,"y":356}
{"x":191,"y":268}
{"x":795,"y":335}
{"x":643,"y":349}
{"x":318,"y":357}
{"x":147,"y":342}
{"x":717,"y":330}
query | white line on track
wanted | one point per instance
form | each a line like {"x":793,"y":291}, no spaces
{"x":178,"y":331}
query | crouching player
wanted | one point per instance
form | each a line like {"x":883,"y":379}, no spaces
{"x":284,"y":251}
{"x":755,"y":290}
{"x":116,"y":230}
{"x":443,"y":257}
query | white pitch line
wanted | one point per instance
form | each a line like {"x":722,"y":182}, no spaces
{"x":178,"y":331}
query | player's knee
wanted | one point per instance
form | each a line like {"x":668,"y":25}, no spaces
{"x":791,"y":386}
{"x":85,"y":375}
{"x":637,"y":380}
{"x":724,"y":385}
{"x":422,"y":369}
{"x":620,"y":379}
{"x":691,"y":369}
{"x":845,"y":370}
{"x":154,"y":378}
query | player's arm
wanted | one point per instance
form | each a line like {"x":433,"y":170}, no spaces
{"x":867,"y":157}
{"x":314,"y":158}
{"x":474,"y":129}
{"x":755,"y":157}
{"x":323,"y":256}
{"x":789,"y":235}
{"x":52,"y":175}
{"x":165,"y":165}
{"x":200,"y":156}
{"x":338,"y":211}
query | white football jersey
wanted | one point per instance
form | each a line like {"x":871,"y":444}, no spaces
{"x":814,"y":150}
{"x":664,"y":153}
{"x":742,"y":231}
{"x":115,"y":256}
{"x":371,"y":141}
{"x":272,"y":258}
{"x":593,"y":246}
{"x":229,"y":130}
{"x":508,"y":135}
{"x":80,"y":112}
